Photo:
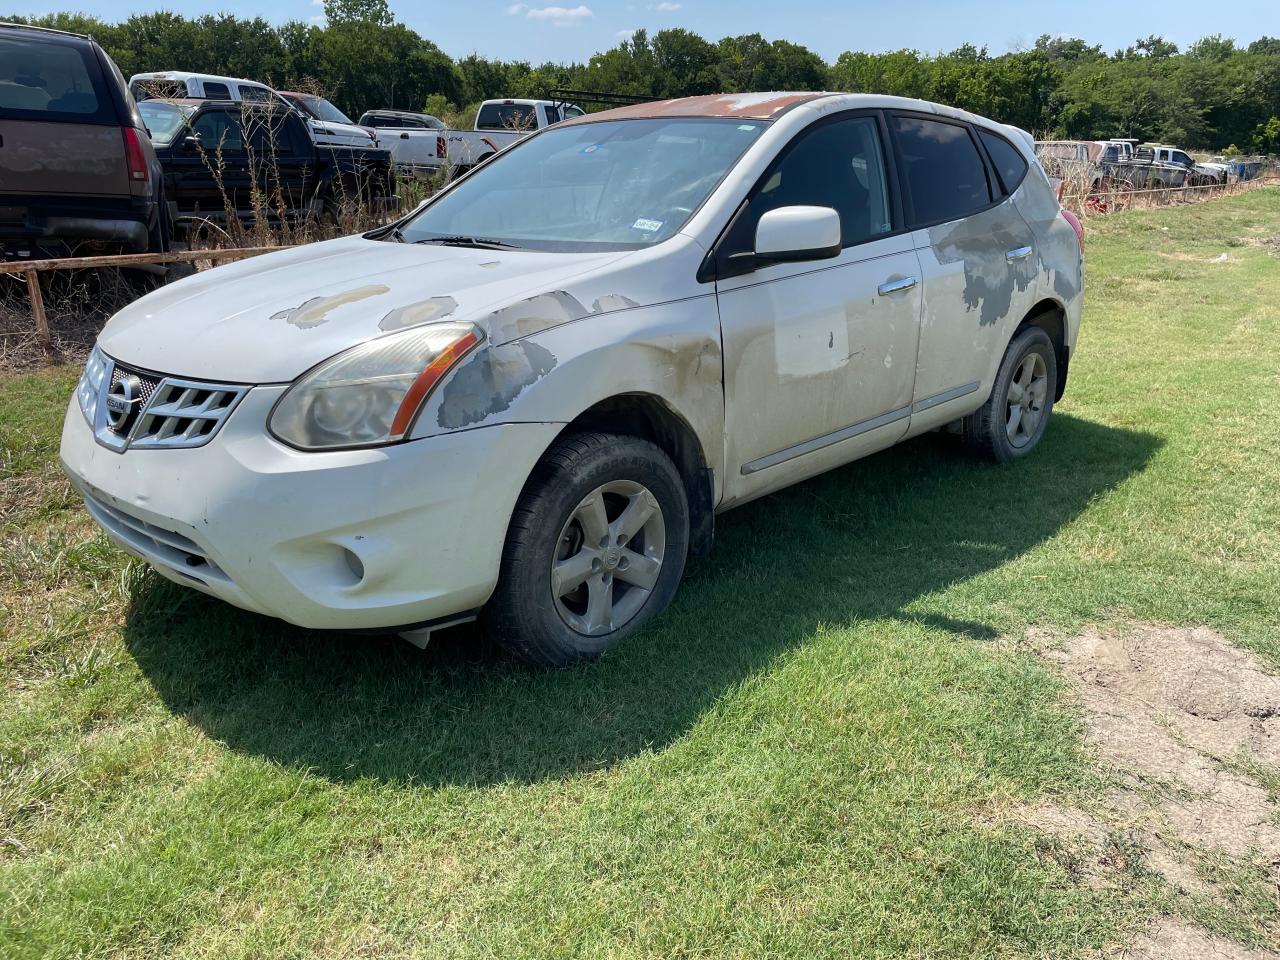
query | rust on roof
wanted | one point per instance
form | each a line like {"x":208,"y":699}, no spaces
{"x":749,"y":106}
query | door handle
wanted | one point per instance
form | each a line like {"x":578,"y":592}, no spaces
{"x":896,"y":286}
{"x":1018,"y":253}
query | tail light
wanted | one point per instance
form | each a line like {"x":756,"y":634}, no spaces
{"x":134,"y":158}
{"x":441,"y":150}
{"x":1077,"y":226}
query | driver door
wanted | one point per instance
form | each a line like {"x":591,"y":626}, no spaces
{"x":820,"y":356}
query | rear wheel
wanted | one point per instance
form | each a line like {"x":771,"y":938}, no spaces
{"x":596,"y":548}
{"x":1013,"y":419}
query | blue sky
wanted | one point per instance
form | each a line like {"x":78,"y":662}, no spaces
{"x":540,"y":30}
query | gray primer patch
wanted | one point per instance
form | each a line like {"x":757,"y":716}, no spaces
{"x":489,"y":382}
{"x":548,"y":310}
{"x":989,"y":279}
{"x":413,"y":314}
{"x":314,"y":312}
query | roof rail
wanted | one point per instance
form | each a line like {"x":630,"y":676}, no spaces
{"x":29,"y":26}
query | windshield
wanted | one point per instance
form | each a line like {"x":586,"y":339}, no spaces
{"x":612,"y":185}
{"x":322,"y":109}
{"x":163,"y":120}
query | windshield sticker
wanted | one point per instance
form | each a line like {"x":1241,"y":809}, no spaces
{"x":591,"y":149}
{"x":648,"y":226}
{"x":748,"y":127}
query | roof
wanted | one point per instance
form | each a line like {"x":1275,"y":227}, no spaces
{"x":34,"y":29}
{"x":747,"y":106}
{"x":188,"y":75}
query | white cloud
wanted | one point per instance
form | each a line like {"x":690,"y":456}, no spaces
{"x":626,"y":34}
{"x":317,"y":3}
{"x":318,"y":20}
{"x":562,"y":16}
{"x":667,"y":7}
{"x":515,"y":9}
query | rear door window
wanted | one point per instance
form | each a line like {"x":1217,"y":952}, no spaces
{"x":1007,"y":158}
{"x":942,"y":169}
{"x":219,"y":129}
{"x":44,"y":79}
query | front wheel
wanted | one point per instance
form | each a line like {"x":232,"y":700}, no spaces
{"x":596,"y":548}
{"x":1013,"y":419}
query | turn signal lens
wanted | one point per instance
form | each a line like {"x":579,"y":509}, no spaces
{"x":371,"y":394}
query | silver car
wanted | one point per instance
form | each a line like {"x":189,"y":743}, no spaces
{"x":528,"y":400}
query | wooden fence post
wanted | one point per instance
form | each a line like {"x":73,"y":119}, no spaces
{"x":37,"y":310}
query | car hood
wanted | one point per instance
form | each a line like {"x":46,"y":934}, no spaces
{"x":270,"y":318}
{"x":349,"y":130}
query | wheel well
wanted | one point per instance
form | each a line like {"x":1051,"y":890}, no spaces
{"x":1049,"y":316}
{"x":647,"y":417}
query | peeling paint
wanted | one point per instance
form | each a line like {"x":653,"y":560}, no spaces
{"x":413,"y":314}
{"x":756,"y":106}
{"x":547,"y":310}
{"x":980,"y":243}
{"x":314,"y":312}
{"x":490,"y":381}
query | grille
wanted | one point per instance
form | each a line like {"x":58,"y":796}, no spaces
{"x":180,"y":554}
{"x":174,"y":412}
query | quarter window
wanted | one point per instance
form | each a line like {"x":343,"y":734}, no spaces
{"x":838,"y":165}
{"x":216,"y":91}
{"x":1008,"y":160}
{"x":943,"y":170}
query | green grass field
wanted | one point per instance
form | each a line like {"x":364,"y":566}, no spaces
{"x":808,"y":755}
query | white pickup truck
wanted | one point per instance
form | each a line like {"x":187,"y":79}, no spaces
{"x":419,"y":152}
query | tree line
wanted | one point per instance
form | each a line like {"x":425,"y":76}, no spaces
{"x":1213,"y":95}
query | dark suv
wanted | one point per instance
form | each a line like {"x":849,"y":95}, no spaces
{"x":78,"y":174}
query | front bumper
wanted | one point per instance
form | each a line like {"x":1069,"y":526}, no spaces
{"x":356,"y":539}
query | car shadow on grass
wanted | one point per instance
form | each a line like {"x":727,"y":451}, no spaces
{"x":860,"y":543}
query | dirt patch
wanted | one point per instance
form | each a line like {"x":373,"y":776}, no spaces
{"x":1175,"y":940}
{"x":1185,"y":721}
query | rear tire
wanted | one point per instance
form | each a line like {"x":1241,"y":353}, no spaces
{"x":1013,"y":419}
{"x":596,"y":548}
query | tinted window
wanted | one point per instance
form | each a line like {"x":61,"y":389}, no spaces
{"x":943,"y":171}
{"x":255,"y":94}
{"x":1007,"y":159}
{"x":216,"y":91}
{"x":48,"y":80}
{"x":1184,"y":159}
{"x":217,"y":128}
{"x":838,"y":165}
{"x":506,"y":116}
{"x":267,"y":132}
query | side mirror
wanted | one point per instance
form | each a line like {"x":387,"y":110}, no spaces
{"x":191,"y":144}
{"x":791,"y":234}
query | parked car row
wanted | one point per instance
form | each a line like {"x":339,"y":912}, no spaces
{"x":1129,"y":165}
{"x":90,"y":164}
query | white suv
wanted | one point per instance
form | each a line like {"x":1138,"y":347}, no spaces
{"x":528,"y":400}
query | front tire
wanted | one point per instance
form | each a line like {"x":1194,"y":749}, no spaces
{"x":596,"y":548}
{"x":1013,"y":419}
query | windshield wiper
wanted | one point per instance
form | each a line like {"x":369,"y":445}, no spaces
{"x":395,"y":233}
{"x":481,"y":243}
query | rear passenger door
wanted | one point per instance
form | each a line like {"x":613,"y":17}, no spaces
{"x":977,"y":256}
{"x":819,"y":356}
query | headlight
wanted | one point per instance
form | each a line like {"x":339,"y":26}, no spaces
{"x":371,"y":394}
{"x":90,"y":387}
